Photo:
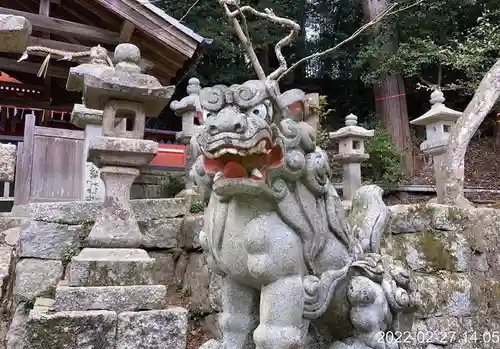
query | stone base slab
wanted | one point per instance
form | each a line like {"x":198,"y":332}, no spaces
{"x":127,"y":152}
{"x":115,"y":298}
{"x":156,"y":329}
{"x":98,"y":329}
{"x":70,"y":329}
{"x":111,"y":267}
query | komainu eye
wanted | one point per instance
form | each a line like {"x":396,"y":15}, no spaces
{"x":259,"y":110}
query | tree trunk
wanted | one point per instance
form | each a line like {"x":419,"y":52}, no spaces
{"x":484,"y":99}
{"x":390,"y":96}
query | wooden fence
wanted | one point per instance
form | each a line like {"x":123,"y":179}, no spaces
{"x":49,"y":164}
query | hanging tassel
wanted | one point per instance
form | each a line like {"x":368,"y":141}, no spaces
{"x":42,"y":72}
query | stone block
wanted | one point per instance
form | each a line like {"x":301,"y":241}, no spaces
{"x":197,"y":279}
{"x":5,"y":268}
{"x":430,"y":251}
{"x":71,"y":330}
{"x":50,"y":240}
{"x":191,"y":228}
{"x":442,"y":294}
{"x":8,"y":221}
{"x":111,"y":267}
{"x":36,"y":278}
{"x":8,"y":155}
{"x":115,"y":298}
{"x":161,"y":233}
{"x":156,"y":329}
{"x":11,"y":236}
{"x":164,"y":267}
{"x":14,"y":33}
{"x":16,"y":337}
{"x":422,"y":217}
{"x":78,"y":212}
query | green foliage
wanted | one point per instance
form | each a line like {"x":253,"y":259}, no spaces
{"x":384,"y":165}
{"x":197,"y":207}
{"x":322,"y":139}
{"x":448,"y":42}
{"x":175,"y":184}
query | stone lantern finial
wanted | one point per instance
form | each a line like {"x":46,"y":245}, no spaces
{"x":351,"y":120}
{"x":437,"y":98}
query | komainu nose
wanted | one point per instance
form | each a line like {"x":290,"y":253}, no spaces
{"x":227,"y":122}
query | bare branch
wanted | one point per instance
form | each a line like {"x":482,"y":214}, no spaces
{"x":244,"y":39}
{"x":287,"y":40}
{"x":389,"y":11}
{"x":244,"y":35}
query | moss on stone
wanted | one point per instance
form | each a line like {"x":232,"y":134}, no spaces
{"x":436,"y":254}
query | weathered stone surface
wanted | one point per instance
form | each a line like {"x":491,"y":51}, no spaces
{"x":82,"y":116}
{"x":115,"y":298}
{"x":11,"y":236}
{"x":442,"y":294}
{"x":191,"y":228}
{"x":111,"y":267}
{"x":116,"y":226}
{"x":211,"y":344}
{"x":431,"y":251}
{"x":8,"y":155}
{"x":50,"y":240}
{"x":126,"y":82}
{"x":197,"y":280}
{"x":156,"y":329}
{"x":116,"y":151}
{"x":210,"y":324}
{"x":14,"y":33}
{"x":422,"y":217}
{"x":164,"y":267}
{"x":36,"y":278}
{"x":180,"y":268}
{"x":77,"y":212}
{"x":71,"y":330}
{"x":161,"y":233}
{"x":214,"y":290}
{"x":5,"y":267}
{"x":8,"y":221}
{"x":16,"y":335}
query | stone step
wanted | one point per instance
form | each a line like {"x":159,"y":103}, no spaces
{"x":111,"y":267}
{"x":99,"y":329}
{"x":115,"y":298}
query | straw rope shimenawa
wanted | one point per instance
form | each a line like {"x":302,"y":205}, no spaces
{"x":66,"y":56}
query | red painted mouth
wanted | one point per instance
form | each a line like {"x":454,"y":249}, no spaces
{"x":231,"y":162}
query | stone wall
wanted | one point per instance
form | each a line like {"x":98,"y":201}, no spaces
{"x":455,"y":258}
{"x":454,"y":255}
{"x":37,"y":246}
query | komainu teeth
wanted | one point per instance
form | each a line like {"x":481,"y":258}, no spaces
{"x":218,"y":175}
{"x":256,"y":173}
{"x":231,"y":150}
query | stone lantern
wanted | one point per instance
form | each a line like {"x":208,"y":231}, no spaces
{"x":113,"y":274}
{"x":189,"y":108}
{"x":438,"y":122}
{"x":351,"y":140}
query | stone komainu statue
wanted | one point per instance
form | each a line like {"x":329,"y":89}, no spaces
{"x":297,"y":273}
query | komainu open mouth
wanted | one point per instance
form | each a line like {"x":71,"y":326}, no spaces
{"x":230,"y":161}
